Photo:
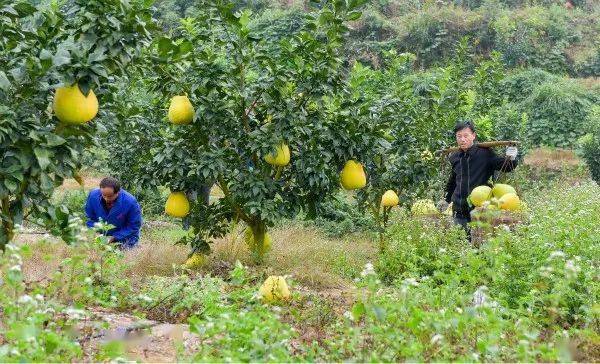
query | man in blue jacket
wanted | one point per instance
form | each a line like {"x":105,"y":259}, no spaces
{"x":117,"y":207}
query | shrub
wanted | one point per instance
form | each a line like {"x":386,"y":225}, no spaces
{"x":416,"y":248}
{"x":74,"y":200}
{"x":521,"y":83}
{"x":557,"y":112}
{"x":591,"y":143}
{"x":338,"y":216}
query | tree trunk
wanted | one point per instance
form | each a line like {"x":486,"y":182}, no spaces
{"x":258,"y":244}
{"x":7,"y":233}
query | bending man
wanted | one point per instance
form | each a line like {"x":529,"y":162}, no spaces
{"x":112,"y":204}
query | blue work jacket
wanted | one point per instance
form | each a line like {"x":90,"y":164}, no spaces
{"x":125,"y":215}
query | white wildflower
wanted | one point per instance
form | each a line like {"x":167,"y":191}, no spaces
{"x":369,"y":270}
{"x":145,"y":298}
{"x":39,"y":297}
{"x":75,"y":313}
{"x":25,"y":299}
{"x":15,"y":268}
{"x":348,"y":315}
{"x":556,"y":254}
{"x":571,"y":267}
{"x":11,"y":247}
{"x":411,"y":282}
{"x":87,"y":280}
{"x":480,"y":296}
{"x":17,"y":258}
{"x":436,"y":338}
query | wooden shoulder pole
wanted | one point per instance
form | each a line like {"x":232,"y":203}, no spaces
{"x":499,"y":143}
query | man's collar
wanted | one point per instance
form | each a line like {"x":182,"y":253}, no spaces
{"x":469,"y":150}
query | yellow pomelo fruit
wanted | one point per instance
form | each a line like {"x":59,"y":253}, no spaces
{"x":177,"y":205}
{"x":249,"y":239}
{"x":195,"y":261}
{"x":480,"y":194}
{"x":282,"y":158}
{"x":71,"y":106}
{"x":181,"y":110}
{"x":353,"y":176}
{"x":510,"y":202}
{"x":501,"y":189}
{"x":389,"y":199}
{"x":423,"y":207}
{"x":274,"y":289}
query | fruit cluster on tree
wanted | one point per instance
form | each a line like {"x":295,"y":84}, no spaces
{"x":54,"y":58}
{"x":270,"y":124}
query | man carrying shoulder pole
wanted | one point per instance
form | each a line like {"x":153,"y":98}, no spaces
{"x":472,"y":166}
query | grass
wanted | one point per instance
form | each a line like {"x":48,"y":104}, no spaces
{"x":300,"y":251}
{"x":332,"y":317}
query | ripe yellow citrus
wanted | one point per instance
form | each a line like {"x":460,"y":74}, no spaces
{"x":389,"y":199}
{"x":501,"y":189}
{"x":181,"y":110}
{"x":71,"y":106}
{"x":353,"y":176}
{"x":177,"y":205}
{"x":282,"y":158}
{"x":480,"y":194}
{"x":195,"y":261}
{"x":274,"y":289}
{"x":510,"y":202}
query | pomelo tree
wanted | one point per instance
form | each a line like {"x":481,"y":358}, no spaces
{"x":81,"y":46}
{"x":253,"y":97}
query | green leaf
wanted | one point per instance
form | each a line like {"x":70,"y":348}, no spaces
{"x":358,"y":310}
{"x":24,"y":8}
{"x":52,"y":140}
{"x":353,"y":15}
{"x":45,"y":54}
{"x":98,"y":55}
{"x":61,"y":57}
{"x":43,"y":157}
{"x":4,"y":82}
{"x":165,"y":45}
{"x":11,"y":185}
{"x":245,"y":18}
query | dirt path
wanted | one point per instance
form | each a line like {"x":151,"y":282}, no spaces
{"x":141,"y":340}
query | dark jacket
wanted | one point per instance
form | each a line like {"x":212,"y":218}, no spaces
{"x":125,"y":216}
{"x":472,"y":168}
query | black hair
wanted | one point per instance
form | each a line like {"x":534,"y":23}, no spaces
{"x":111,"y":182}
{"x":464,"y":125}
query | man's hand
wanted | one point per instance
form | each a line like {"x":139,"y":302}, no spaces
{"x":442,"y":205}
{"x":511,"y":153}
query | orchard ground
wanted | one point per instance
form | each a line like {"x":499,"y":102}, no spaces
{"x":337,"y":313}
